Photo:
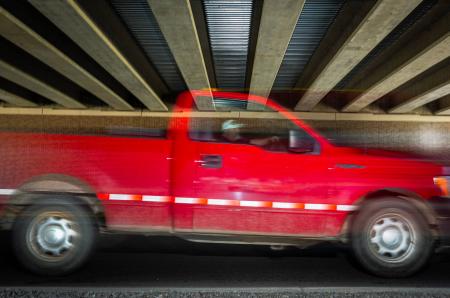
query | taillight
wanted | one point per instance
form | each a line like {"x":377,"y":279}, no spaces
{"x":442,"y":183}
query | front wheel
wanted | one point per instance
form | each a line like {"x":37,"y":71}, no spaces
{"x":390,"y":238}
{"x":53,"y":238}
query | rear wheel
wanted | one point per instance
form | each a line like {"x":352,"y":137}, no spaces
{"x":53,"y":238}
{"x":390,"y":238}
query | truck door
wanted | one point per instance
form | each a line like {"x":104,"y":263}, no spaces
{"x":255,"y":189}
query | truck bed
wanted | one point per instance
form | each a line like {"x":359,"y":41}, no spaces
{"x":103,"y":164}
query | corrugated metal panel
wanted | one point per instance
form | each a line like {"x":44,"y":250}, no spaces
{"x":142,"y":24}
{"x":390,"y":39}
{"x":228,"y":23}
{"x":227,"y":104}
{"x":312,"y":25}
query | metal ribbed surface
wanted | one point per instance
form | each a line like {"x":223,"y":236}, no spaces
{"x":312,"y":25}
{"x":228,"y":23}
{"x":226,"y":104}
{"x":142,"y":24}
{"x":391,"y":38}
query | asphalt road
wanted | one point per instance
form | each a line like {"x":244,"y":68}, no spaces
{"x":165,"y":264}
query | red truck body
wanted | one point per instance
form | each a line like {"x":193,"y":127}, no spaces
{"x":162,"y":184}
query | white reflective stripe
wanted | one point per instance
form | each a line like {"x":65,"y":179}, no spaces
{"x":146,"y":198}
{"x":222,"y":202}
{"x":346,"y":207}
{"x":181,"y":200}
{"x":287,"y":205}
{"x":120,"y":197}
{"x":6,"y":191}
{"x":318,"y":206}
{"x":254,"y":203}
{"x":281,"y":205}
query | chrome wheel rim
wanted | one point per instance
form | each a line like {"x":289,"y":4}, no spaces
{"x":52,"y":236}
{"x":392,"y":238}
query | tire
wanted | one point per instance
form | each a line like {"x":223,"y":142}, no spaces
{"x":390,"y":238}
{"x":54,"y":237}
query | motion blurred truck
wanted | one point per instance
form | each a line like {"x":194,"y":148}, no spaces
{"x":59,"y":191}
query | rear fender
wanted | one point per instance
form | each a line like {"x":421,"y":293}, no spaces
{"x":63,"y":187}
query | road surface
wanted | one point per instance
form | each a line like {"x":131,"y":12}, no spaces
{"x":137,"y":265}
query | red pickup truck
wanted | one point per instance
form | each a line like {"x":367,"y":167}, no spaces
{"x":216,"y":180}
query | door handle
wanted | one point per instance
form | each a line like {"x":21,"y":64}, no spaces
{"x":349,"y":166}
{"x":212,"y":161}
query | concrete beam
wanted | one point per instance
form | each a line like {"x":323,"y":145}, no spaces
{"x":253,"y":40}
{"x":316,"y":116}
{"x":113,"y":26}
{"x":74,"y":21}
{"x":278,"y":21}
{"x":24,"y":37}
{"x":434,"y":53}
{"x":443,"y":106}
{"x":15,"y":99}
{"x":384,"y":16}
{"x":350,"y":16}
{"x":202,"y":31}
{"x":419,"y":94}
{"x":425,"y":97}
{"x":177,"y":24}
{"x":18,"y":95}
{"x":444,"y":112}
{"x":26,"y":80}
{"x":425,"y":16}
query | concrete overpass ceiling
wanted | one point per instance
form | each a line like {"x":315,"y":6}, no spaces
{"x":323,"y":56}
{"x":420,"y":11}
{"x":96,"y":29}
{"x":178,"y":25}
{"x":37,"y":35}
{"x":417,"y":93}
{"x":36,"y":45}
{"x":382,"y":18}
{"x":23,"y":69}
{"x":141,"y":22}
{"x":424,"y":35}
{"x":312,"y":25}
{"x":29,"y":81}
{"x":26,"y":29}
{"x":442,"y":106}
{"x":15,"y":99}
{"x":22,"y":92}
{"x":229,"y":24}
{"x":224,"y":104}
{"x":276,"y":25}
{"x":419,"y":51}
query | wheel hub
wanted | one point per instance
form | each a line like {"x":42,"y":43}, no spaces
{"x":54,"y":235}
{"x":392,"y":238}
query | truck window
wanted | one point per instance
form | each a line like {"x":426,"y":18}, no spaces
{"x":279,"y":135}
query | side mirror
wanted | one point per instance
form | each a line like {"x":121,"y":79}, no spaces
{"x":300,"y":142}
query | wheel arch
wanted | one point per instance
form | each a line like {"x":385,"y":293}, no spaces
{"x":412,"y":198}
{"x":65,"y":187}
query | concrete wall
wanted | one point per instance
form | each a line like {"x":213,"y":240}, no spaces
{"x":429,"y":138}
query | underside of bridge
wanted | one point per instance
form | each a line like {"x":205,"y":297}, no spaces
{"x":385,"y":57}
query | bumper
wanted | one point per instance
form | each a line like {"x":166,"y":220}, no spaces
{"x":441,"y":207}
